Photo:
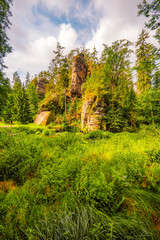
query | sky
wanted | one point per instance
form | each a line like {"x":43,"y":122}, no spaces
{"x":37,"y":26}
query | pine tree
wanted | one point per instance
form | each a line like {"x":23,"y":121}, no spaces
{"x":20,"y":108}
{"x":152,"y":12}
{"x":56,"y":63}
{"x":144,"y":62}
{"x":4,"y":90}
{"x":8,"y":109}
{"x":16,"y":80}
{"x":59,"y":69}
{"x":25,"y":115}
{"x":27,"y":80}
{"x":5,"y":13}
{"x":5,"y":48}
{"x":118,"y":83}
{"x":156,"y":79}
{"x":32,"y":99}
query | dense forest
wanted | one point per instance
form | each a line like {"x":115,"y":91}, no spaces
{"x":129,"y":101}
{"x":80,"y":156}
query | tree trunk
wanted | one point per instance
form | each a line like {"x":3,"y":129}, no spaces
{"x":152,"y":117}
{"x":65,"y":98}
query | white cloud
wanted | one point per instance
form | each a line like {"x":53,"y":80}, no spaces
{"x":60,"y":6}
{"x":67,"y":37}
{"x":34,"y":58}
{"x":119,"y":21}
{"x":34,"y":36}
{"x":36,"y":55}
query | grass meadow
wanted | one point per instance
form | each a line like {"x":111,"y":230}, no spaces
{"x":71,"y":185}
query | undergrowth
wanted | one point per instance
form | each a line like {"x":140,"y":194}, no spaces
{"x":97,"y":185}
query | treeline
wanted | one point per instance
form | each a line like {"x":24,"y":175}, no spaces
{"x":129,"y":100}
{"x":130,"y":93}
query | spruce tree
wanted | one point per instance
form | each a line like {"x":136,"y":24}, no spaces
{"x":144,"y":62}
{"x":59,"y":69}
{"x":118,"y":83}
{"x":27,"y":80}
{"x":32,"y":99}
{"x":21,"y":112}
{"x":5,"y":13}
{"x":151,"y":10}
{"x":25,"y":115}
{"x":8,"y":108}
{"x":5,"y":48}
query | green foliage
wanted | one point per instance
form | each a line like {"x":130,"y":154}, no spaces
{"x":5,"y":13}
{"x":152,"y":12}
{"x":94,"y":134}
{"x":24,"y":158}
{"x":111,"y":83}
{"x":32,"y":99}
{"x":148,"y":106}
{"x":7,"y":111}
{"x":4,"y":91}
{"x":145,"y":62}
{"x":20,"y":110}
{"x":72,"y":188}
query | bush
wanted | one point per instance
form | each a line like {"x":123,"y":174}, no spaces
{"x":21,"y":160}
{"x":77,"y":189}
{"x":107,"y":134}
{"x":45,"y":132}
{"x":94,"y":134}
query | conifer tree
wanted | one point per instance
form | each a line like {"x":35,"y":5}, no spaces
{"x":25,"y":115}
{"x":32,"y":99}
{"x":20,"y":101}
{"x":56,"y":63}
{"x":5,"y":13}
{"x":59,"y":68}
{"x":151,"y":10}
{"x":118,"y":83}
{"x":5,"y":48}
{"x":27,"y":80}
{"x":144,"y":62}
{"x":8,"y":108}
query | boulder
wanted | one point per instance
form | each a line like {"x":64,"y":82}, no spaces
{"x":79,"y":73}
{"x":92,"y":116}
{"x":44,"y":118}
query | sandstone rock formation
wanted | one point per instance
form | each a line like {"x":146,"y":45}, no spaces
{"x":44,"y":118}
{"x":92,"y":115}
{"x":79,"y":73}
{"x":41,"y":86}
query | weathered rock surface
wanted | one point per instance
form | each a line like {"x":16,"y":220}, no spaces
{"x":92,"y":115}
{"x":41,"y":86}
{"x":79,"y":73}
{"x":44,"y":118}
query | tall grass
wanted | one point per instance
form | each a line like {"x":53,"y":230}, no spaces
{"x":75,"y":186}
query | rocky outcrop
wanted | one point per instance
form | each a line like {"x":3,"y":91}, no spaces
{"x":44,"y":118}
{"x":92,"y":115}
{"x":40,"y":86}
{"x":79,"y":73}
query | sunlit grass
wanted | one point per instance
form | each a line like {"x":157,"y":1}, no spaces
{"x":76,"y":186}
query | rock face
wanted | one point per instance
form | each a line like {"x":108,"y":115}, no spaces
{"x":41,"y":86}
{"x":92,"y":115}
{"x":44,"y":118}
{"x":79,"y":73}
{"x":51,"y":104}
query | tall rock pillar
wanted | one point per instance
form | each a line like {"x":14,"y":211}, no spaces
{"x":79,"y":73}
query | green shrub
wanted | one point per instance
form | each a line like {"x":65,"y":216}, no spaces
{"x":45,"y":132}
{"x":107,"y":134}
{"x":94,"y":134}
{"x":65,"y":187}
{"x":59,"y":128}
{"x":21,"y":160}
